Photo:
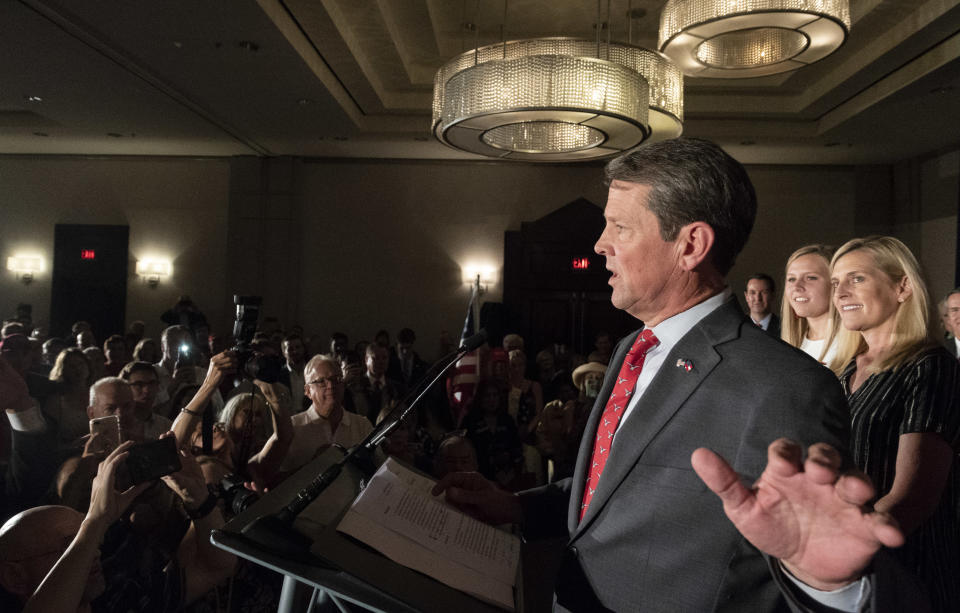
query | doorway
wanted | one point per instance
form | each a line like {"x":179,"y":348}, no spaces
{"x":89,"y":278}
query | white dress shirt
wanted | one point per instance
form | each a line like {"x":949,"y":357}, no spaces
{"x":669,"y":332}
{"x":311,"y":434}
{"x":765,"y":322}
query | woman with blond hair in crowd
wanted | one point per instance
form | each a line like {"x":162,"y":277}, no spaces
{"x":903,"y":389}
{"x":808,"y":321}
{"x":68,"y":404}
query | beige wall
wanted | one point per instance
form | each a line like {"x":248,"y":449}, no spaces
{"x":387,"y":240}
{"x":359,"y":245}
{"x":797,"y":205}
{"x":175,"y":208}
{"x":938,"y":195}
{"x":411,"y":226}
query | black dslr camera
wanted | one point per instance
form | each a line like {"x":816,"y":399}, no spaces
{"x":251,"y":362}
{"x":236,"y":496}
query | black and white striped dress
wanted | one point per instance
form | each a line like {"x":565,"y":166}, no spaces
{"x":921,"y":395}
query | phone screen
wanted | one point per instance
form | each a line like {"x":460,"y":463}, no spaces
{"x":184,"y":356}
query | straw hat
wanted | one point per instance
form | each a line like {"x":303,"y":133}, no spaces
{"x":581,"y":371}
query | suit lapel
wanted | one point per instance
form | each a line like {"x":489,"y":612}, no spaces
{"x":666,"y":393}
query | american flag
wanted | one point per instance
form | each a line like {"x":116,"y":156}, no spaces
{"x":466,"y":372}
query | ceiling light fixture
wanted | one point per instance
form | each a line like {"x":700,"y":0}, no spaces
{"x":751,"y":38}
{"x":556,"y":99}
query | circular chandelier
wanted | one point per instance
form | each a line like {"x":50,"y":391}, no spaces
{"x":751,"y":38}
{"x":556,"y":99}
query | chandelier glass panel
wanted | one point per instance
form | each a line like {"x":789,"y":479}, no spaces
{"x":556,"y":99}
{"x":751,"y":38}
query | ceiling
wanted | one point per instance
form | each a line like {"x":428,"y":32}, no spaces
{"x":353,"y":78}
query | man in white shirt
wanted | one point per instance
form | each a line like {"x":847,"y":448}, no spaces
{"x":325,"y":423}
{"x":142,"y":377}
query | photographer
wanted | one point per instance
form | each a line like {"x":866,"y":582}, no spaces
{"x":178,"y":367}
{"x":232,"y":453}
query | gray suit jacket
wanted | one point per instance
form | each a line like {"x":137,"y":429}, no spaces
{"x":655,"y":538}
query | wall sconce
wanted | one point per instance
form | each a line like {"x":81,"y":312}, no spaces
{"x":25,"y":266}
{"x":152,"y":269}
{"x":479,"y":275}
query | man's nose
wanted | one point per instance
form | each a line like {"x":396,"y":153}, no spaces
{"x":601,"y":245}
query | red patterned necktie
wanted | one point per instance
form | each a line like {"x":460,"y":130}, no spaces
{"x":616,"y":405}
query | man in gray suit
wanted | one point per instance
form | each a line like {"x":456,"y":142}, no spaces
{"x":645,"y":533}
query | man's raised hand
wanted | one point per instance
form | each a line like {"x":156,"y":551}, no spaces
{"x":805,"y":513}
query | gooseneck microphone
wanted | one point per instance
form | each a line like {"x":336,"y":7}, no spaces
{"x":274,"y":532}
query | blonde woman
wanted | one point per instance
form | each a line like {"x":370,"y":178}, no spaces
{"x":68,"y":404}
{"x":903,"y":389}
{"x":808,"y":322}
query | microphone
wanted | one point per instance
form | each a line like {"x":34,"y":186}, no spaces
{"x":472,"y":342}
{"x":275,"y":531}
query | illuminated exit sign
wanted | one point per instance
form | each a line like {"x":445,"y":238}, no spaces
{"x":88,"y":254}
{"x":581,"y":263}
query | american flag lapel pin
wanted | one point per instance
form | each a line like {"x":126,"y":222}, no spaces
{"x":685,"y":364}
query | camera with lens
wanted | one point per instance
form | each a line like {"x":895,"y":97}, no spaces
{"x":252,"y":362}
{"x":237,"y":497}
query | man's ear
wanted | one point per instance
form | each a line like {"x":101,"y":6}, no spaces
{"x":695,"y":241}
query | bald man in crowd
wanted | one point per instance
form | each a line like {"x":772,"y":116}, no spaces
{"x":50,"y":556}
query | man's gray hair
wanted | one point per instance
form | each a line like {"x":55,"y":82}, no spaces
{"x":101,"y":383}
{"x":317,"y":359}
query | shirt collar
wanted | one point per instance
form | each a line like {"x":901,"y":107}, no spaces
{"x":314,"y":415}
{"x":672,"y":329}
{"x":765,"y":322}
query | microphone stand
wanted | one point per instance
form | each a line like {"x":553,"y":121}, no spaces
{"x":275,"y":532}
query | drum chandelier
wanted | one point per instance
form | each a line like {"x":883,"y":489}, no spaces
{"x":751,"y":38}
{"x":556,"y":99}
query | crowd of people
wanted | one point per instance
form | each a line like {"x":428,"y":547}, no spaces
{"x":73,"y":536}
{"x":516,"y":422}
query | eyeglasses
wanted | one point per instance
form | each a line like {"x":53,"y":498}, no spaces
{"x":323,"y":381}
